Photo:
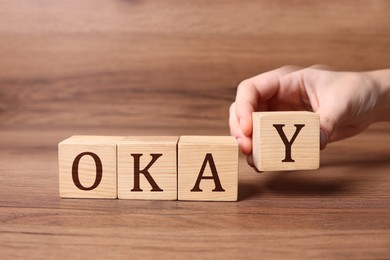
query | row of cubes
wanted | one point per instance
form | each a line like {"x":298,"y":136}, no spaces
{"x":151,"y":167}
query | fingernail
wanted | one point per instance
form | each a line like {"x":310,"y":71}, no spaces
{"x":323,"y":139}
{"x":239,"y":140}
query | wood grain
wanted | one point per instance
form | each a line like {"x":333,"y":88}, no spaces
{"x":140,"y":67}
{"x":162,"y":182}
{"x":121,"y":63}
{"x":338,"y":211}
{"x":207,"y":168}
{"x":96,"y":164}
{"x":270,"y":150}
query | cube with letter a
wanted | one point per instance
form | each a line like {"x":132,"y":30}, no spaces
{"x":87,"y":167}
{"x":208,"y":168}
{"x":285,"y":140}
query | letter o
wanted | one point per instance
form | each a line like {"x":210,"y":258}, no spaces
{"x":75,"y":171}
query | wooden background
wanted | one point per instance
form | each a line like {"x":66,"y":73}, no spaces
{"x":131,"y":67}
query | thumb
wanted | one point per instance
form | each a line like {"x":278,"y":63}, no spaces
{"x":328,"y":122}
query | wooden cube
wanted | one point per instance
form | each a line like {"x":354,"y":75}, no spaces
{"x":208,"y":168}
{"x":87,"y":167}
{"x":286,"y":140}
{"x":147,"y":168}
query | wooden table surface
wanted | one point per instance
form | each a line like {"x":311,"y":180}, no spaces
{"x":116,"y":67}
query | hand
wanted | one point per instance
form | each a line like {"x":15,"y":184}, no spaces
{"x":347,"y":102}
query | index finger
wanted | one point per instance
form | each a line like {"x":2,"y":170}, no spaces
{"x":257,"y":90}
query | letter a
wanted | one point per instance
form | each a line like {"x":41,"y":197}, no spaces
{"x":208,"y":159}
{"x":145,"y":172}
{"x":287,"y":143}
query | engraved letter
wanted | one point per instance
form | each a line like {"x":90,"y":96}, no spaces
{"x":75,"y":171}
{"x":145,"y":172}
{"x":287,"y":143}
{"x":208,"y":159}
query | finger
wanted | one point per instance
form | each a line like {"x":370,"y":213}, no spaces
{"x":246,"y":102}
{"x":235,"y":129}
{"x":249,"y":160}
{"x":329,"y":118}
{"x":327,"y":125}
{"x":253,"y":91}
{"x":244,"y":142}
{"x":321,"y":67}
{"x":296,"y":86}
{"x":246,"y":145}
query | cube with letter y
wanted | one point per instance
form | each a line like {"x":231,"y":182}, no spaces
{"x":285,"y":140}
{"x":87,"y":167}
{"x":147,"y":168}
{"x":208,"y":168}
